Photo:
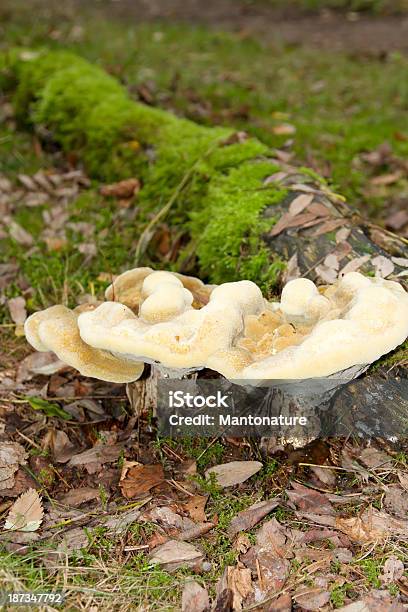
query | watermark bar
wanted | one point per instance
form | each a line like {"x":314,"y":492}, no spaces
{"x":305,"y":409}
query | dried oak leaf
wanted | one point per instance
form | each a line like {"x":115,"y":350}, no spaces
{"x":26,"y":514}
{"x":251,"y":516}
{"x":195,"y":506}
{"x":138,"y":479}
{"x":174,"y":554}
{"x":195,"y":598}
{"x":372,"y":526}
{"x":234,"y":472}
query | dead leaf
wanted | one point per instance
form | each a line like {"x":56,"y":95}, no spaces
{"x":46,"y":363}
{"x":329,"y":226}
{"x":12,"y":455}
{"x":26,"y":514}
{"x":196,"y":531}
{"x":251,"y":516}
{"x":195,"y":598}
{"x":72,"y":541}
{"x":393,"y":570}
{"x":383,"y":266}
{"x":174,"y":554}
{"x":309,"y":500}
{"x":376,"y":601}
{"x":354,"y":265}
{"x":19,"y":234}
{"x":372,"y":526}
{"x":292,"y":269}
{"x":397,"y":220}
{"x":233,"y":473}
{"x":120,"y":523}
{"x":76,"y":497}
{"x":396,"y":501}
{"x":93,"y":458}
{"x":138,"y":479}
{"x":17,"y":309}
{"x":27,"y":182}
{"x":284,"y":129}
{"x":400,"y":261}
{"x":123,"y":189}
{"x":195,"y":506}
{"x":299,"y":204}
{"x":386,"y":179}
{"x":61,"y":446}
{"x":342,"y":234}
{"x":312,"y":599}
{"x":374,"y":458}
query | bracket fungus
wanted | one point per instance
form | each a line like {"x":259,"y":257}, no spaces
{"x":180,"y":324}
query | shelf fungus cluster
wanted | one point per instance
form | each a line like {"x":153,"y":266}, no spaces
{"x":181,"y":325}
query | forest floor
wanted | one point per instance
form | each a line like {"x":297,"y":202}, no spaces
{"x":339,"y":524}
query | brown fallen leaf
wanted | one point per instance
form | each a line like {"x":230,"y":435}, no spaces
{"x":282,"y":604}
{"x":119,"y":524}
{"x":234,"y":472}
{"x":72,"y":541}
{"x":376,"y":601}
{"x":19,"y":234}
{"x":93,"y":458}
{"x":61,"y":447}
{"x":393,"y":570}
{"x":76,"y":497}
{"x":329,"y":226}
{"x":397,"y":220}
{"x":168,"y":519}
{"x":354,"y":265}
{"x":195,"y":598}
{"x":374,"y":458}
{"x":174,"y":554}
{"x":26,"y":514}
{"x":195,"y":532}
{"x":251,"y":516}
{"x":299,"y":203}
{"x":17,"y":309}
{"x":269,"y":556}
{"x":123,"y":189}
{"x":309,"y":499}
{"x":386,"y":179}
{"x":396,"y":501}
{"x":138,"y":479}
{"x":372,"y":526}
{"x":45,"y":364}
{"x":12,"y":455}
{"x":312,"y":599}
{"x":195,"y":506}
{"x":383,"y":266}
{"x":233,"y":588}
{"x":284,"y":129}
{"x":287,"y":221}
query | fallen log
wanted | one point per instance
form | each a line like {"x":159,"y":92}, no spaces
{"x":244,"y":211}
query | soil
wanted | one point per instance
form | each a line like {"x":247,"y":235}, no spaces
{"x":353,"y":32}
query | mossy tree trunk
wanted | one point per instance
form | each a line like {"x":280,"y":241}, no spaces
{"x":234,"y":198}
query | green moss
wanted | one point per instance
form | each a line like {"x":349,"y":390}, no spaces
{"x":229,"y":227}
{"x":88,"y":111}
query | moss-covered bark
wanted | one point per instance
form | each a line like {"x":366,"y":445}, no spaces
{"x":213,"y":178}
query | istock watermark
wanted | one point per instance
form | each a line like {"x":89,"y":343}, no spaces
{"x":299,"y":410}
